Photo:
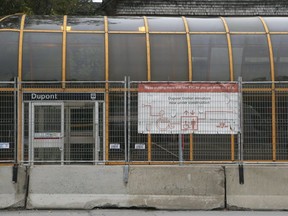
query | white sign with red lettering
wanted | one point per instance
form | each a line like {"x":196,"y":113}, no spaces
{"x":187,"y":108}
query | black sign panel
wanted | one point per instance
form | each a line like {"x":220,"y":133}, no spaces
{"x":63,"y":96}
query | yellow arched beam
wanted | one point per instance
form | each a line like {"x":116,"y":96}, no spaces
{"x":20,"y":60}
{"x":148,"y":56}
{"x":231,"y":69}
{"x":272,"y":68}
{"x":5,"y":17}
{"x":190,"y":73}
{"x":106,"y":89}
{"x":64,"y":45}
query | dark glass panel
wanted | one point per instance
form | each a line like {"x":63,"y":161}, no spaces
{"x":205,"y":25}
{"x":245,"y":24}
{"x":166,"y":24}
{"x":86,"y":23}
{"x":210,"y":59}
{"x":11,"y":22}
{"x":251,"y":57}
{"x":277,"y":24}
{"x":44,"y":22}
{"x":280,"y":51}
{"x":169,"y":61}
{"x":126,"y":24}
{"x":8,"y":55}
{"x":42,"y":56}
{"x":127,"y":57}
{"x":85,"y":57}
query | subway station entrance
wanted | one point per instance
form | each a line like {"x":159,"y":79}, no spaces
{"x":64,"y":127}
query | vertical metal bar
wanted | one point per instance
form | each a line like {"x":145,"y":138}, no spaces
{"x":15,"y":120}
{"x":148,"y":76}
{"x":103,"y":130}
{"x":31,"y":124}
{"x":125,"y":118}
{"x":231,"y":69}
{"x":241,"y":123}
{"x":20,"y":57}
{"x":272,"y":69}
{"x":180,"y":149}
{"x":129,"y":118}
{"x":62,"y":133}
{"x":190,"y":75}
{"x":96,"y":129}
{"x":64,"y":45}
{"x":148,"y":50}
{"x":106,"y":89}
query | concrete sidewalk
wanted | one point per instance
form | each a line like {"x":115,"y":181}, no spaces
{"x":125,"y":212}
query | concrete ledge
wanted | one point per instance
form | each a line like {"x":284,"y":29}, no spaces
{"x":160,"y":187}
{"x":12,"y":195}
{"x":264,"y":188}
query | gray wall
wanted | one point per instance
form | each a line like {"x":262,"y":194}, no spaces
{"x":195,"y":187}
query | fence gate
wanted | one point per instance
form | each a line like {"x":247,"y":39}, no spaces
{"x":64,"y":127}
{"x":46,"y":122}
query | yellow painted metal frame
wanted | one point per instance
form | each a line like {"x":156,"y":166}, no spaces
{"x":272,"y":68}
{"x":106,"y":89}
{"x":148,"y":50}
{"x":20,"y":59}
{"x":106,"y":32}
{"x":231,"y":67}
{"x":64,"y":45}
{"x":190,"y":74}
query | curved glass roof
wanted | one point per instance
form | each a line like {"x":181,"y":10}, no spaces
{"x":144,"y":48}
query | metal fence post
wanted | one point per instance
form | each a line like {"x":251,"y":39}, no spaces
{"x":15,"y":121}
{"x":129,"y":118}
{"x":125,"y":118}
{"x":240,"y":133}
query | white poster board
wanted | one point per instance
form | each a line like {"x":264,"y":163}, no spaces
{"x":187,"y":108}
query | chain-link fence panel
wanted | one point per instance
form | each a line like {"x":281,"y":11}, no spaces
{"x":8,"y":122}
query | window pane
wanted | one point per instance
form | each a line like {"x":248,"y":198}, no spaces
{"x":166,"y":24}
{"x":280,"y":51}
{"x":277,"y":24}
{"x":210,"y":58}
{"x":251,"y":57}
{"x":44,"y":22}
{"x":8,"y":55}
{"x":205,"y":25}
{"x":86,"y":23}
{"x":85,"y":57}
{"x":11,"y":22}
{"x":42,"y":56}
{"x":169,"y":60}
{"x":245,"y":24}
{"x":127,"y":56}
{"x":126,"y":24}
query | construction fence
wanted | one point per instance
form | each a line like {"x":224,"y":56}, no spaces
{"x":133,"y":122}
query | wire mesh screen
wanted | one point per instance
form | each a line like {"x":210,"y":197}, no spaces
{"x":7,"y":126}
{"x":282,"y":125}
{"x":101,"y":122}
{"x":138,"y":147}
{"x":158,"y":127}
{"x":257,"y":125}
{"x":76,"y":126}
{"x":117,"y":117}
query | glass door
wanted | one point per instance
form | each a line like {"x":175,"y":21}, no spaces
{"x":46,"y":132}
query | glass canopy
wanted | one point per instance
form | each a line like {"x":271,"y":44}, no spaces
{"x":60,"y":48}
